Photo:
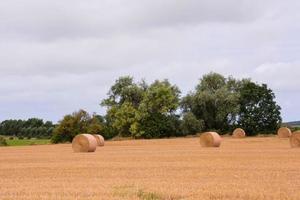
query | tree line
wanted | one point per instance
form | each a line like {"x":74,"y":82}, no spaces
{"x":31,"y":128}
{"x":156,"y":110}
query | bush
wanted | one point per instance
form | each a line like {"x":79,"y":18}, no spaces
{"x":109,"y":132}
{"x":21,"y":138}
{"x":11,"y":138}
{"x":158,"y":126}
{"x":3,"y":141}
{"x":61,"y":138}
{"x":191,"y":125}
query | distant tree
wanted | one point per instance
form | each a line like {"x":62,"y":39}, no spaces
{"x":35,"y":122}
{"x":134,"y":109}
{"x":160,"y":97}
{"x":190,"y":124}
{"x":156,"y":114}
{"x":71,"y":125}
{"x":214,"y":101}
{"x":26,"y":128}
{"x":122,"y":105}
{"x":95,"y":126}
{"x":259,"y":112}
{"x":48,"y":124}
{"x":156,"y":125}
{"x":125,"y":90}
{"x":122,"y":118}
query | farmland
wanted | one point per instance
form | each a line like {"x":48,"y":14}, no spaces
{"x":250,"y":168}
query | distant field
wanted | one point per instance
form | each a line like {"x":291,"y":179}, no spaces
{"x":25,"y":142}
{"x":167,"y":169}
{"x":292,"y":124}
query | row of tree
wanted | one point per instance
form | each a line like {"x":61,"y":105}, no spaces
{"x":141,"y":110}
{"x":31,"y":128}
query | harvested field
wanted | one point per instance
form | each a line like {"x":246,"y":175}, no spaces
{"x":250,"y":168}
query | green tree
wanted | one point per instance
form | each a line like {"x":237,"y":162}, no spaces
{"x":123,"y":117}
{"x":125,"y":90}
{"x":124,"y":98}
{"x":139,"y":110}
{"x":95,"y":126}
{"x":26,"y":128}
{"x":70,"y":126}
{"x":156,"y":113}
{"x":160,"y":97}
{"x":190,"y":124}
{"x":259,"y":112}
{"x":215,"y":101}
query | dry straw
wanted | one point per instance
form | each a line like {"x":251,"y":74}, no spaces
{"x":295,"y":139}
{"x":284,"y":132}
{"x":210,"y":139}
{"x":84,"y":143}
{"x":239,"y":133}
{"x":100,"y":139}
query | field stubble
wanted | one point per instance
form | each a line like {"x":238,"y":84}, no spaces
{"x":250,"y":168}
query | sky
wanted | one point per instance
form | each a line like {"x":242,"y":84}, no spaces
{"x":57,"y":57}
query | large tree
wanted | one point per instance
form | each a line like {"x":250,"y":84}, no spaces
{"x":139,"y":110}
{"x":156,"y":113}
{"x":122,"y":118}
{"x":125,"y":90}
{"x":259,"y":112}
{"x":122,"y":104}
{"x":190,"y":125}
{"x":215,"y":101}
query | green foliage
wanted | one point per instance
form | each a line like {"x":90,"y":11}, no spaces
{"x":95,"y":126}
{"x":123,"y":117}
{"x":125,"y":90}
{"x":142,"y":111}
{"x":3,"y":141}
{"x":160,"y":97}
{"x":74,"y":124}
{"x":215,"y":101}
{"x":155,"y":117}
{"x":259,"y":112}
{"x":139,"y":110}
{"x":32,"y":127}
{"x":190,"y":125}
{"x":225,"y":103}
{"x":156,"y":125}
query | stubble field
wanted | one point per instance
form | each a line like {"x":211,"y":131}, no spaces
{"x":251,"y":168}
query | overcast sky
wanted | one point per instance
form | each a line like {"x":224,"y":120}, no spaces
{"x":59,"y":56}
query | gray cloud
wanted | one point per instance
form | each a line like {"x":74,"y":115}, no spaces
{"x":56,"y":57}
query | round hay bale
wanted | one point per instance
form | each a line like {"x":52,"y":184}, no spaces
{"x":284,"y":132}
{"x":295,"y":139}
{"x":100,"y":139}
{"x":84,"y":143}
{"x":239,"y":133}
{"x":210,"y":139}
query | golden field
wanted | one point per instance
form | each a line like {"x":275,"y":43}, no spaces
{"x":252,"y":168}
